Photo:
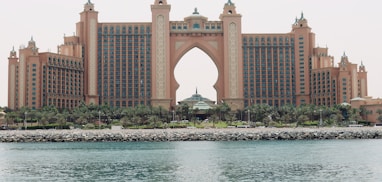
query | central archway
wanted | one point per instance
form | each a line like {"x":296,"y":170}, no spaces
{"x":181,"y":45}
{"x":196,"y":70}
{"x":220,"y":40}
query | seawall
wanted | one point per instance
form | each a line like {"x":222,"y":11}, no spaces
{"x":161,"y":135}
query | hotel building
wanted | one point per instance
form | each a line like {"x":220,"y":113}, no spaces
{"x":125,"y":64}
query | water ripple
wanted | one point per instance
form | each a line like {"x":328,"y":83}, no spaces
{"x":193,"y":161}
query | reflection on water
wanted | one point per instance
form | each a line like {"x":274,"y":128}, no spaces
{"x":346,"y":160}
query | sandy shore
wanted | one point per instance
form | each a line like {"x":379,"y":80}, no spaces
{"x":158,"y":135}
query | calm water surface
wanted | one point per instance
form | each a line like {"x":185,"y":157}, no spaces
{"x":333,"y":160}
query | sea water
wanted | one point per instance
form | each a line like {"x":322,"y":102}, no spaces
{"x":324,"y":160}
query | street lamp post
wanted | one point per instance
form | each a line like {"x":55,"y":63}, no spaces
{"x":99,"y":119}
{"x":320,"y":117}
{"x":173,"y":115}
{"x":249,"y":117}
{"x":25,"y":120}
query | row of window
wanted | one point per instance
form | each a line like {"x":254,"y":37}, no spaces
{"x":65,"y":62}
{"x":63,"y":103}
{"x":250,"y":39}
{"x":31,"y":88}
{"x":124,"y":103}
{"x":271,"y":102}
{"x":124,"y":67}
{"x":325,"y":101}
{"x":125,"y":29}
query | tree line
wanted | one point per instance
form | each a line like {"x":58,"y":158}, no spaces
{"x":142,"y":116}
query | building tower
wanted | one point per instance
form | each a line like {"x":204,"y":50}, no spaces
{"x":362,"y":81}
{"x":12,"y":79}
{"x":233,"y":57}
{"x":87,"y":32}
{"x":305,"y":41}
{"x":348,"y":80}
{"x":161,"y":54}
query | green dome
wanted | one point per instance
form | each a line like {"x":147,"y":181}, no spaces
{"x":196,"y":97}
{"x":201,"y":105}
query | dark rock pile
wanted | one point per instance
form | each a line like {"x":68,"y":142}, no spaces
{"x":160,"y":135}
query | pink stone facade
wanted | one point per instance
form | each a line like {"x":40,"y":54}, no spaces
{"x":369,"y":108}
{"x":125,"y":64}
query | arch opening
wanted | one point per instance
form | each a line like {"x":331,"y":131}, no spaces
{"x":196,"y":71}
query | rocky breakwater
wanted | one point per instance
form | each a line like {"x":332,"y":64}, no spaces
{"x":159,"y":135}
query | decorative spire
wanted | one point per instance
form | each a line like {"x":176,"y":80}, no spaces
{"x":32,"y":38}
{"x":195,"y":11}
{"x":302,"y":15}
{"x":13,"y":53}
{"x":160,"y":2}
{"x":295,"y":22}
{"x":344,"y":54}
{"x":230,"y":2}
{"x":362,"y":67}
{"x":89,"y":6}
{"x":196,"y":90}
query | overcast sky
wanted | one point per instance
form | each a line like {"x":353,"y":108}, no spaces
{"x":351,"y":26}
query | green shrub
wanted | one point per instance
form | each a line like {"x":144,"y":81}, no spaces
{"x":259,"y":124}
{"x":89,"y":126}
{"x":310,"y":123}
{"x":49,"y":126}
{"x":221,"y":124}
{"x":274,"y":124}
{"x":364,"y":123}
{"x":116,"y":123}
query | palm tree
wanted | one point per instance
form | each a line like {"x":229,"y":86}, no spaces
{"x":10,"y":118}
{"x":126,"y":122}
{"x":162,"y":112}
{"x":60,"y":120}
{"x":262,"y":111}
{"x":184,"y":111}
{"x":302,"y":119}
{"x":354,"y":114}
{"x":154,"y":120}
{"x":225,"y":110}
{"x":137,"y":120}
{"x":302,"y":114}
{"x":379,"y":111}
{"x":212,"y":115}
{"x":380,"y":118}
{"x":81,"y":118}
{"x":232,"y":116}
{"x":218,"y":112}
{"x":2,"y":115}
{"x":194,"y":113}
{"x":364,"y":112}
{"x":43,"y":118}
{"x":287,"y":113}
{"x":142,"y":111}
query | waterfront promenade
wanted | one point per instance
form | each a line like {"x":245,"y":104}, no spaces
{"x":161,"y":135}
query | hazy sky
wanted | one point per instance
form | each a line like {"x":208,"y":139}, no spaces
{"x":351,"y":26}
